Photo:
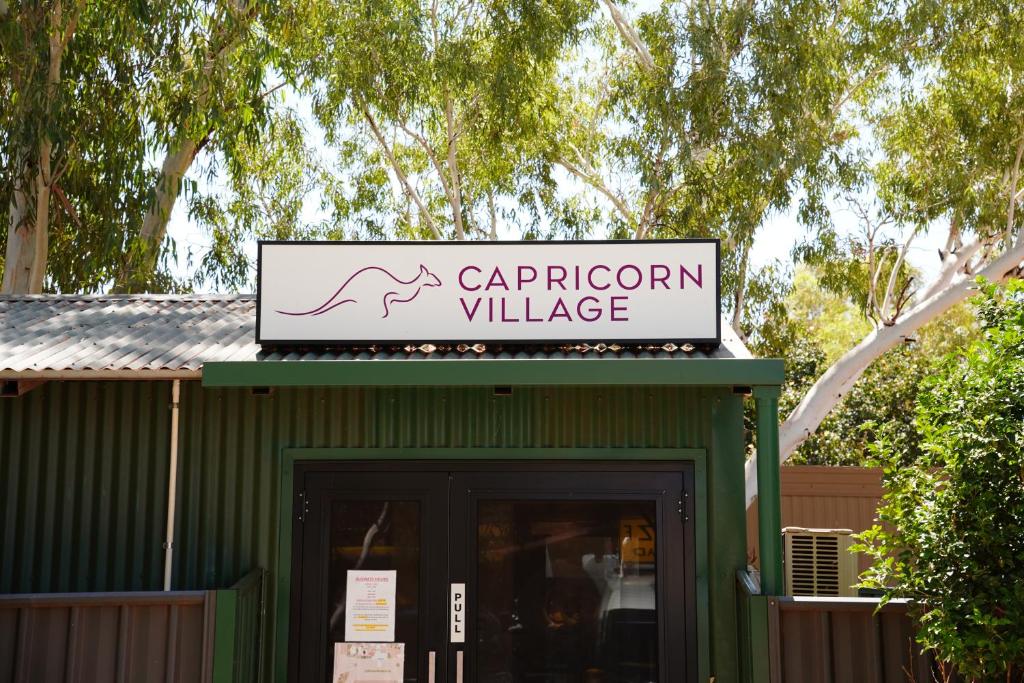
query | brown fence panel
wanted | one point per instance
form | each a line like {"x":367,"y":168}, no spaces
{"x":100,"y":637}
{"x":844,"y":640}
{"x":825,"y":497}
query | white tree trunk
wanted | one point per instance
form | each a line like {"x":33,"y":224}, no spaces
{"x":154,"y":225}
{"x":28,"y":230}
{"x":227,"y":37}
{"x":21,"y":265}
{"x":838,"y":379}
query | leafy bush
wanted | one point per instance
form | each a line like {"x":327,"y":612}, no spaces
{"x":952,"y":533}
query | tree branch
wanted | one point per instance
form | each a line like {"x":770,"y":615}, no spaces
{"x":893,"y":278}
{"x":598,"y":185}
{"x":453,"y":169}
{"x":435,"y":162}
{"x":837,"y":381}
{"x":630,"y":35}
{"x":494,"y":218}
{"x":1012,"y":192}
{"x":402,"y":178}
{"x":955,"y":261}
{"x":741,"y":286}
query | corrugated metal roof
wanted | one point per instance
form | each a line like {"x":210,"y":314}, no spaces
{"x":164,"y":336}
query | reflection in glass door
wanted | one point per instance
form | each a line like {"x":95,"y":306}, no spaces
{"x":571,"y":575}
{"x":381,"y":536}
{"x":567,"y":591}
{"x":575,"y":577}
{"x":370,"y":536}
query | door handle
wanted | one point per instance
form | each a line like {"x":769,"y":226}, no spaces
{"x":431,"y":660}
{"x":458,"y":666}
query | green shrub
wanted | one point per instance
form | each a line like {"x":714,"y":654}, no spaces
{"x":952,"y":533}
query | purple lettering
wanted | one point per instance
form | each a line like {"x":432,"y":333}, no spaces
{"x":463,"y":284}
{"x":497,"y":280}
{"x":639,"y":277}
{"x":663,"y":279}
{"x":616,"y":308}
{"x":595,"y":311}
{"x":519,"y":275}
{"x":469,"y":313}
{"x":560,"y":281}
{"x":528,"y":318}
{"x":559,"y":305}
{"x":684,"y":273}
{"x":590,"y":276}
{"x":505,"y":319}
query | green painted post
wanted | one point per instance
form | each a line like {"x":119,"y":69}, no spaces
{"x":760,"y":671}
{"x":769,"y":496}
{"x":725,"y":532}
{"x":224,"y":636}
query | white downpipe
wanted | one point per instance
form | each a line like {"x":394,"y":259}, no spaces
{"x":172,"y":485}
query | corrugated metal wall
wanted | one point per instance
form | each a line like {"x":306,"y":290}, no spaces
{"x":825,"y":498}
{"x":232,"y":442}
{"x":83,"y":467}
{"x":83,"y":487}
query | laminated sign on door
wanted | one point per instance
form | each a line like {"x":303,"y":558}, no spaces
{"x":370,"y":606}
{"x":458,"y":621}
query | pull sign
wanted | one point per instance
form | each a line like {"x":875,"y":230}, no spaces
{"x":458,"y":621}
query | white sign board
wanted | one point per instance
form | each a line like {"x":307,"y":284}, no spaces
{"x":312,"y":293}
{"x":370,"y":605}
{"x":458,"y":617}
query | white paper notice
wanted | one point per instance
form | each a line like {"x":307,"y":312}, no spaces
{"x":368,"y":662}
{"x":370,"y":606}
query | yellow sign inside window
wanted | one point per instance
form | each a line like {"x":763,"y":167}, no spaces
{"x":636,"y":538}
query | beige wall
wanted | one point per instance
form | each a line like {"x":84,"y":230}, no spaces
{"x":824,"y":498}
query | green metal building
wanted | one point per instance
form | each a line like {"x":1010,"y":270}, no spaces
{"x":524,"y":474}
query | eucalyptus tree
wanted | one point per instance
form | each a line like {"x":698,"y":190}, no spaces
{"x":267,"y":187}
{"x":44,"y":123}
{"x":98,"y":90}
{"x":210,"y":93}
{"x":699,"y":119}
{"x":949,"y":124}
{"x":439,"y":110}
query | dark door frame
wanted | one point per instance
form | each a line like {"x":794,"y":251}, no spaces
{"x":430,"y":490}
{"x":600,"y":459}
{"x":471,"y":480}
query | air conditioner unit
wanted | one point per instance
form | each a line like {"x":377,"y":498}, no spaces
{"x":819,"y":562}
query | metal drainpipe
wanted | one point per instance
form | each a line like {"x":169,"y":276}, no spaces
{"x":172,"y":485}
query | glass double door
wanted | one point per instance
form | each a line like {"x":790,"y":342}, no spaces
{"x":509,"y":574}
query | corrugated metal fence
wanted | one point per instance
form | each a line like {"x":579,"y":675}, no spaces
{"x":100,"y":637}
{"x":829,"y":640}
{"x":824,"y":497}
{"x":173,"y":637}
{"x":844,"y":640}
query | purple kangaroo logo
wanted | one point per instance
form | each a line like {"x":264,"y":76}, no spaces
{"x":366,"y":283}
